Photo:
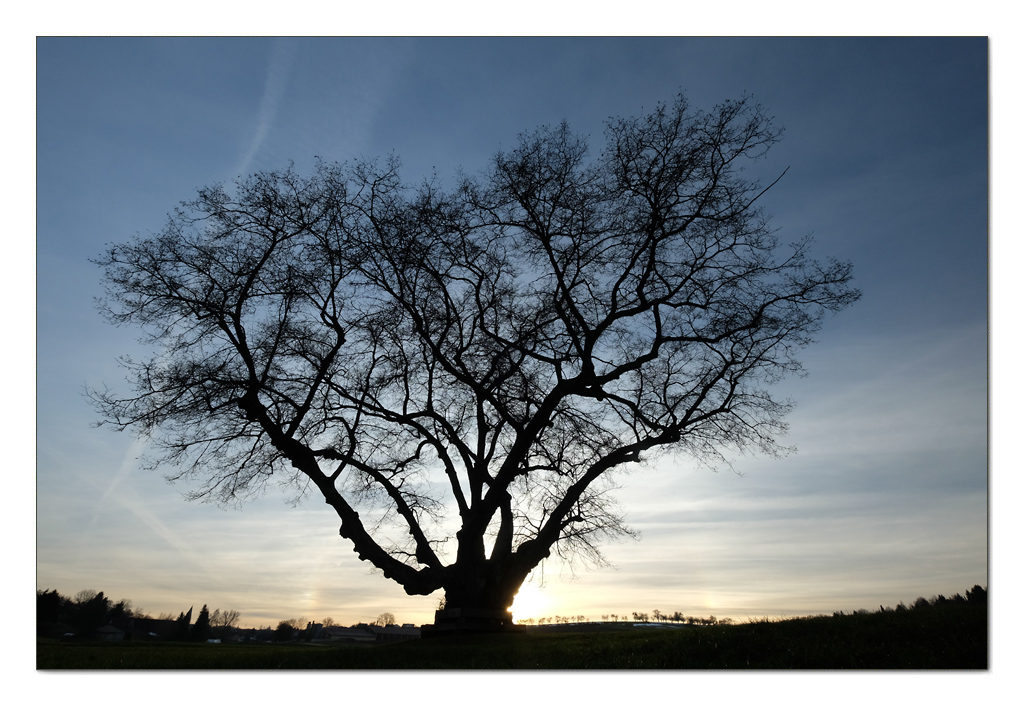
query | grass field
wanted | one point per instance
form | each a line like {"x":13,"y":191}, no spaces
{"x":934,"y":638}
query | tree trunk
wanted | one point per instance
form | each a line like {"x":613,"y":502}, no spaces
{"x":466,"y":621}
{"x":478,"y":602}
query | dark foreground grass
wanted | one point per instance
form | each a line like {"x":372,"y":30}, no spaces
{"x":934,"y":638}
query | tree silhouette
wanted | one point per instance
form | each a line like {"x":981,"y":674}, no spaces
{"x":93,"y":610}
{"x":385,"y":619}
{"x":517,"y":340}
{"x":201,"y":629}
{"x":48,"y":606}
{"x":122,"y":608}
{"x":183,"y":631}
{"x":977,"y":595}
{"x":285,"y":631}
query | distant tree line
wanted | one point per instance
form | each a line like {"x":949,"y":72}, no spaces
{"x":636,"y":616}
{"x":88,"y":611}
{"x":299,"y":629}
{"x":83,"y":614}
{"x":292,"y":629}
{"x":977,"y":595}
{"x":85,"y":611}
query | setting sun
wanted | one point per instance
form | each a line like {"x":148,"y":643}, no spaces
{"x":531,"y":602}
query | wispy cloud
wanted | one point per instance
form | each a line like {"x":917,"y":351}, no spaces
{"x":120,"y":492}
{"x":281,"y":58}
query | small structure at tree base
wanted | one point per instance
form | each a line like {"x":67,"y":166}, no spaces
{"x":448,"y":621}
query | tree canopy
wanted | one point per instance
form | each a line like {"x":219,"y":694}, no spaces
{"x":459,"y":372}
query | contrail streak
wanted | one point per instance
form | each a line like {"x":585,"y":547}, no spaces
{"x":281,"y":58}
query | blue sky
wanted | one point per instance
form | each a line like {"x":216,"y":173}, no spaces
{"x":886,"y":141}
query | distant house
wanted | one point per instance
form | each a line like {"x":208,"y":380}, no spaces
{"x":340,"y":634}
{"x":364,"y":633}
{"x":107,"y":633}
{"x":251,"y":635}
{"x":395,"y":633}
{"x":150,"y":629}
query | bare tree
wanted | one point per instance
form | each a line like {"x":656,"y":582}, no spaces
{"x":229,"y":618}
{"x":84,"y":596}
{"x":286,"y":631}
{"x":385,"y":619}
{"x":460,"y":373}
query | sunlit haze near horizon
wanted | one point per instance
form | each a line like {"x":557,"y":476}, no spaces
{"x":886,"y":140}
